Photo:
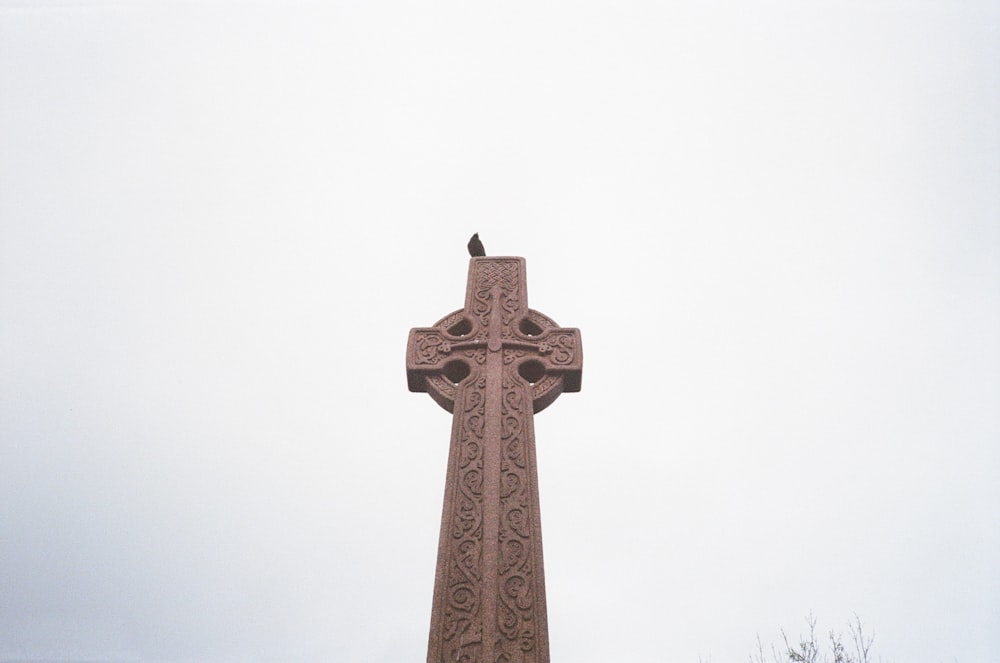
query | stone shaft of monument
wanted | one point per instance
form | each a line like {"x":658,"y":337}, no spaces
{"x":492,"y":364}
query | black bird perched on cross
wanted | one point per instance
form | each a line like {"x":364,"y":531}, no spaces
{"x":476,"y":246}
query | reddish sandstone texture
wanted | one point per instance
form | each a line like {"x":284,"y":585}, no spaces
{"x":493,"y":364}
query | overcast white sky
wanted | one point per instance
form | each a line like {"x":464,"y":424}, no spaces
{"x":777,"y":225}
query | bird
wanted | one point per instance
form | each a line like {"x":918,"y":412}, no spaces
{"x":476,"y":246}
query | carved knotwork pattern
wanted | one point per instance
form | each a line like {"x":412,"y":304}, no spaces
{"x":477,"y":355}
{"x":442,"y":385}
{"x":542,"y":321}
{"x":515,"y":583}
{"x":503,"y":274}
{"x":560,"y":348}
{"x":451,"y":319}
{"x":429,"y":348}
{"x":510,"y":356}
{"x":461,"y":626}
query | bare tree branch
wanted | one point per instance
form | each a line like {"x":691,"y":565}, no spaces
{"x":862,"y":645}
{"x":808,"y":649}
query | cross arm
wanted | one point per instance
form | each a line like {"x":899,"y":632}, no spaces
{"x":550,"y":361}
{"x":558,"y":350}
{"x":436,"y":362}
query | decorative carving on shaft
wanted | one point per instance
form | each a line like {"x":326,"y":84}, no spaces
{"x":504,"y":273}
{"x":461,"y":624}
{"x":515,"y":583}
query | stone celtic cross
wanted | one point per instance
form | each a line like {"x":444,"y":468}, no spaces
{"x":492,"y":364}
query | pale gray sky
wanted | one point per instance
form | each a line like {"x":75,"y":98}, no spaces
{"x":777,"y":225}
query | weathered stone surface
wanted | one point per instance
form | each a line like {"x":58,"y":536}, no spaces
{"x":492,"y":364}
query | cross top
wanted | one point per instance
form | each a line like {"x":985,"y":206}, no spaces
{"x":492,"y":364}
{"x":546,"y":356}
